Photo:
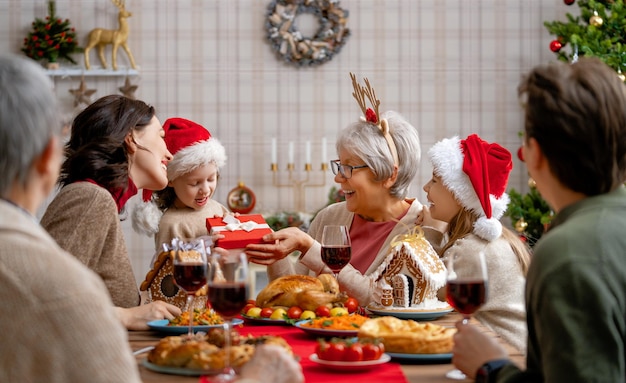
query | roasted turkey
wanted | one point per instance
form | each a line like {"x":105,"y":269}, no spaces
{"x":303,"y":291}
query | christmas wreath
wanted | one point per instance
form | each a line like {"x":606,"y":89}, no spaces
{"x":288,"y":41}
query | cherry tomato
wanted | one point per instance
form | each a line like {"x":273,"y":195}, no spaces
{"x":247,"y":307}
{"x":267,"y":312}
{"x":321,"y":349}
{"x":371,"y":351}
{"x":322,"y":311}
{"x":336,"y":351}
{"x":251,"y":301}
{"x":353,"y":353}
{"x":351,"y":304}
{"x":294,"y":312}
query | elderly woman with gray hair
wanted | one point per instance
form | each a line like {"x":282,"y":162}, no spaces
{"x":378,"y":159}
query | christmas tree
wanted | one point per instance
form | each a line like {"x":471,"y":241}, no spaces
{"x":529,"y":213}
{"x":51,"y":39}
{"x":598,"y":31}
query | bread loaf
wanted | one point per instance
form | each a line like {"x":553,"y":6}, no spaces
{"x":408,"y":336}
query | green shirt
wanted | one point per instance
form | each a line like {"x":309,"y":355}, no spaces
{"x":576,"y":296}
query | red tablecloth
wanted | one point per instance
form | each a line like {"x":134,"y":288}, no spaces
{"x":304,"y":344}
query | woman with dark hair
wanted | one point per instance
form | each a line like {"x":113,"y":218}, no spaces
{"x":116,"y":147}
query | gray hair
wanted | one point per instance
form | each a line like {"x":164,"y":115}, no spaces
{"x":366,"y":141}
{"x":28,"y":117}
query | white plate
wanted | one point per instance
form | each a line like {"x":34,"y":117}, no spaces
{"x":177,"y":370}
{"x":350,"y":366}
{"x":162,"y":325}
{"x":411,"y":314}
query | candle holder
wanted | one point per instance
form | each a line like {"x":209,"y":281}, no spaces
{"x":299,"y":186}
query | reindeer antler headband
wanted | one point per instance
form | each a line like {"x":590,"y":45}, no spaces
{"x":372,"y":115}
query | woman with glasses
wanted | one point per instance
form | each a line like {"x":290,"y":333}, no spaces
{"x":375,"y":168}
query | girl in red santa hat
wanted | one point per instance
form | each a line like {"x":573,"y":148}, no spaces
{"x":181,"y":209}
{"x":467,"y":190}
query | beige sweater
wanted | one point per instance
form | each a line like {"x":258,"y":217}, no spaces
{"x":186,"y":223}
{"x":505,"y":310}
{"x":58,"y":323}
{"x":357,"y":285}
{"x":83,"y":219}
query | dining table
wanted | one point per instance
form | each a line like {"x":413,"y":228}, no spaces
{"x":303,"y":345}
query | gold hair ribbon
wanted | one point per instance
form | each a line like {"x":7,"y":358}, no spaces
{"x":373,"y":115}
{"x":415,"y":236}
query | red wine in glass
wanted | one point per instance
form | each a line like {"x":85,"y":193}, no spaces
{"x":190,"y":271}
{"x":466,"y":295}
{"x":190,"y":276}
{"x":228,"y":299}
{"x":336,"y":248}
{"x":228,"y":294}
{"x":466,"y":288}
{"x":336,"y":257}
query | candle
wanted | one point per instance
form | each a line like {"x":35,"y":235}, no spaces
{"x":323,"y":150}
{"x":307,"y":152}
{"x":290,"y":153}
{"x":274,"y":151}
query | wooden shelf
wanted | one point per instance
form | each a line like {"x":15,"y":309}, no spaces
{"x":64,"y":72}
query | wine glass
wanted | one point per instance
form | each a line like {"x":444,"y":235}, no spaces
{"x":228,"y":294}
{"x":190,"y":271}
{"x":466,"y":288}
{"x":336,"y":248}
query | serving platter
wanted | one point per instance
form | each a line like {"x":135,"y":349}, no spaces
{"x":349,"y":366}
{"x":266,"y":321}
{"x":161,"y":325}
{"x":420,"y":357}
{"x":425,"y":314}
{"x":177,"y":370}
{"x":329,"y":333}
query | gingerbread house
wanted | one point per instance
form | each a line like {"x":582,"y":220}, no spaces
{"x":413,"y":270}
{"x":160,"y":285}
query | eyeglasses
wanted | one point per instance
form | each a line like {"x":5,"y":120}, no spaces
{"x":344,"y":170}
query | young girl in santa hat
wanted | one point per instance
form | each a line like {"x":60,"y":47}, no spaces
{"x":467,"y":190}
{"x":181,"y":209}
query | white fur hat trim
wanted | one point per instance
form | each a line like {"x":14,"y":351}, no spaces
{"x":146,"y":217}
{"x":193,"y":156}
{"x":447,"y":159}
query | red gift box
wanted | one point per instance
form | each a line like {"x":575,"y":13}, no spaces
{"x":238,"y":231}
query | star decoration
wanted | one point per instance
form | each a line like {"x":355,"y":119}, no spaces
{"x":82,"y":94}
{"x":128,"y":89}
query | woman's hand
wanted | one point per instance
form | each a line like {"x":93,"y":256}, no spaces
{"x":137,"y":318}
{"x":473,"y":348}
{"x":278,"y":245}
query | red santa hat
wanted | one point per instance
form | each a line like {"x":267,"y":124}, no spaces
{"x":192,"y":146}
{"x":476,"y":172}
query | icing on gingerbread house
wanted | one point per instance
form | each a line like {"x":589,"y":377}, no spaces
{"x":159,"y":281}
{"x":413,"y":269}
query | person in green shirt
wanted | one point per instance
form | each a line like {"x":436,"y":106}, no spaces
{"x":575,"y":150}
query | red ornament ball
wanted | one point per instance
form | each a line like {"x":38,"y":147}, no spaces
{"x":555,"y":46}
{"x":569,"y":2}
{"x":520,"y":154}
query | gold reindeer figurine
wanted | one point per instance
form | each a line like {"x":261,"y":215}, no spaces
{"x":100,"y":37}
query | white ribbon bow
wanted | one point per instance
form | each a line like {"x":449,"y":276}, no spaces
{"x":233,"y":224}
